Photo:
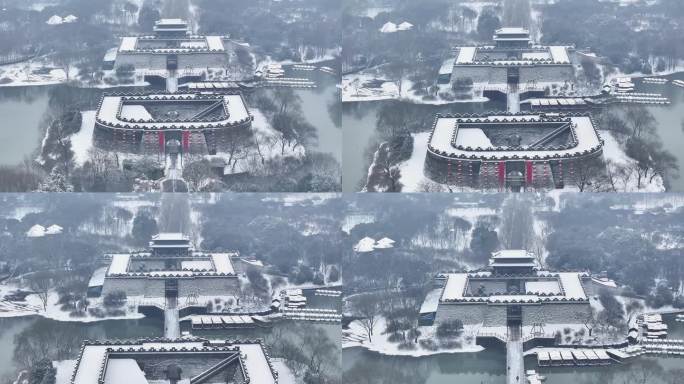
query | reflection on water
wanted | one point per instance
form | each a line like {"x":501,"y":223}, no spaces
{"x":39,"y":335}
{"x":670,"y":122}
{"x":22,"y":110}
{"x":321,"y":109}
{"x":486,"y":367}
{"x":361,"y":120}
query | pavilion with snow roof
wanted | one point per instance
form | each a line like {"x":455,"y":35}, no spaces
{"x":171,"y":47}
{"x":511,"y":290}
{"x":510,"y":151}
{"x":170,"y":267}
{"x":174,"y":361}
{"x":513,"y":58}
{"x":145,"y":123}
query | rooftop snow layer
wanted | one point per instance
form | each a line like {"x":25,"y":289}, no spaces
{"x":109,"y":114}
{"x":559,"y":54}
{"x":128,"y":44}
{"x":215,"y":43}
{"x":466,"y":55}
{"x":222,"y":263}
{"x":119,"y":264}
{"x":587,"y":139}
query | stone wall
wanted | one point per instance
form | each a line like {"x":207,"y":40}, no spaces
{"x":158,"y":61}
{"x":208,"y":286}
{"x":204,"y":286}
{"x":489,"y":315}
{"x":555,"y":313}
{"x":495,"y":315}
{"x":134,"y":286}
{"x":480,"y":74}
{"x":499,"y":74}
{"x":546,"y":73}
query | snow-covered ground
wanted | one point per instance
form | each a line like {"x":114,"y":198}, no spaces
{"x":355,"y":88}
{"x":65,"y":368}
{"x":356,"y":336}
{"x":82,"y":141}
{"x":412,"y":169}
{"x":626,"y":180}
{"x":22,"y":74}
{"x":34,"y":306}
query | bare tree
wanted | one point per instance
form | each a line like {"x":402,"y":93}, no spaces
{"x":40,"y":283}
{"x":367,"y":309}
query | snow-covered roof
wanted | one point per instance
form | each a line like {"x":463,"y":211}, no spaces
{"x":196,"y":264}
{"x":447,"y":66}
{"x":54,"y":229}
{"x":466,"y":55}
{"x":70,"y":19}
{"x":530,"y":56}
{"x":511,"y":31}
{"x":512,"y":254}
{"x":54,"y":20}
{"x":383,"y":243}
{"x":110,"y":56}
{"x":405,"y":26}
{"x":222,"y":263}
{"x":215,"y":43}
{"x":544,"y":286}
{"x":539,"y":288}
{"x":455,"y":286}
{"x":128,"y":44}
{"x":367,"y":244}
{"x":36,"y":231}
{"x":431,"y":302}
{"x":95,"y":358}
{"x":124,"y":371}
{"x":388,"y":27}
{"x":164,"y":22}
{"x":173,"y":236}
{"x":199,"y":265}
{"x":98,"y":277}
{"x":119,"y":264}
{"x":445,"y":142}
{"x":112,"y":113}
{"x":559,"y":54}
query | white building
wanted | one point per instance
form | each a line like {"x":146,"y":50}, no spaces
{"x":512,"y":290}
{"x":512,"y":59}
{"x":172,"y":47}
{"x":169,"y":267}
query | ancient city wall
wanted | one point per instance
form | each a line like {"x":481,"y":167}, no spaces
{"x":489,"y":315}
{"x":555,"y":313}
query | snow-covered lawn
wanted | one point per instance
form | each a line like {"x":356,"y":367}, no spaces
{"x":412,"y":169}
{"x":34,"y":306}
{"x":82,"y":141}
{"x":65,"y":368}
{"x":355,"y":88}
{"x":356,"y":336}
{"x":626,"y":181}
{"x":22,"y":74}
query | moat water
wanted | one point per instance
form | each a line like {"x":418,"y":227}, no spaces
{"x":489,"y":367}
{"x":38,"y":332}
{"x":361,"y":121}
{"x":25,"y":110}
{"x":41,"y":332}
